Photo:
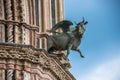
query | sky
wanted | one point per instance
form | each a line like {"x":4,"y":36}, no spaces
{"x":101,"y":40}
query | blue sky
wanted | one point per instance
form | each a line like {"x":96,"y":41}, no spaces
{"x":101,"y":41}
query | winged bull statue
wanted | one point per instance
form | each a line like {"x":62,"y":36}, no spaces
{"x":67,"y":39}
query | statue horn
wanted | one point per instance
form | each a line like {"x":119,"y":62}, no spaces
{"x":83,"y":19}
{"x":86,"y":22}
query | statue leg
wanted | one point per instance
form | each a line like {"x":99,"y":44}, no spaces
{"x":78,"y":50}
{"x":49,"y":45}
{"x":68,"y":51}
{"x":69,"y":47}
{"x":70,"y":43}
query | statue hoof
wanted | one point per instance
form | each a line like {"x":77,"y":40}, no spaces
{"x":82,"y":56}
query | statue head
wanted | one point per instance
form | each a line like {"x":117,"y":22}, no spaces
{"x":81,"y":26}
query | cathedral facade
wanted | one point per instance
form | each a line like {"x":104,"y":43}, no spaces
{"x":23,"y":54}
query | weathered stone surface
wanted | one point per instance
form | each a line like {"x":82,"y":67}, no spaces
{"x":19,"y":26}
{"x":26,"y":60}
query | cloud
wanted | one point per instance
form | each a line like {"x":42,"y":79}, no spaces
{"x":109,"y":70}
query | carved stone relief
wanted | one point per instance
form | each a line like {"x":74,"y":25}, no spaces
{"x":43,"y":65}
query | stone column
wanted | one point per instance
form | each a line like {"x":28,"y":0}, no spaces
{"x":9,"y":17}
{"x":18,"y":71}
{"x":25,"y":18}
{"x":2,"y":69}
{"x":9,"y":74}
{"x":2,"y":27}
{"x":22,"y":14}
{"x":17,"y":17}
{"x":61,"y":10}
{"x":10,"y":69}
{"x":27,"y":70}
{"x":2,"y":74}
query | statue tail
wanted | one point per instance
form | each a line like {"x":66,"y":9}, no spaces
{"x":42,"y":35}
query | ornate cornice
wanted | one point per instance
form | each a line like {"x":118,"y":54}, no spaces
{"x":35,"y":56}
{"x":11,"y":22}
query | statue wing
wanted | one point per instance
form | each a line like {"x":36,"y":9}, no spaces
{"x":64,"y":25}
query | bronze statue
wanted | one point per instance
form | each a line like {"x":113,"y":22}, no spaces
{"x":68,"y":39}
